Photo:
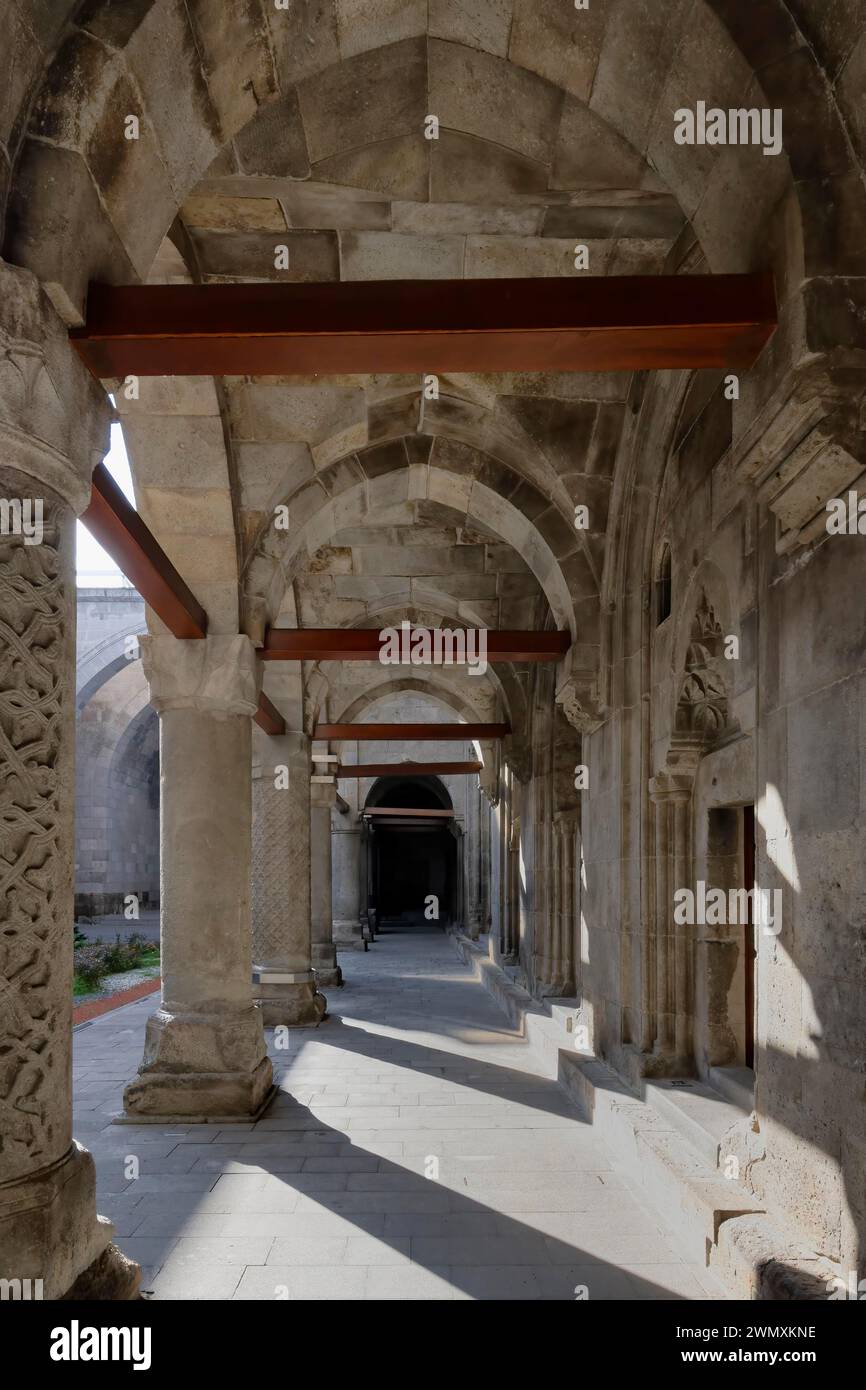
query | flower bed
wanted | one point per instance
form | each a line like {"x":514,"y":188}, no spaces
{"x":94,"y":960}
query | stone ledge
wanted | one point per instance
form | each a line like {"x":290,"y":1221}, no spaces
{"x":713,"y":1220}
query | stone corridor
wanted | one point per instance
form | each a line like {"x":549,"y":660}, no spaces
{"x":330,"y":1195}
{"x":486,"y":463}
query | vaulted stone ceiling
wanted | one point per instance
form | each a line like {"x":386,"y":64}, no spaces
{"x":306,"y":128}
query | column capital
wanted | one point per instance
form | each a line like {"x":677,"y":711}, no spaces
{"x":670,"y":786}
{"x":218,"y":676}
{"x":323,"y":793}
{"x":54,"y":418}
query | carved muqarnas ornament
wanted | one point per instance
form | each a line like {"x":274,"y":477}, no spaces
{"x":580,"y":705}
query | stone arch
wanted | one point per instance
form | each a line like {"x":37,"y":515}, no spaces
{"x":502,"y":677}
{"x":277,"y":558}
{"x":452,"y":699}
{"x":384,"y":790}
{"x":180,"y":455}
{"x":558,"y":97}
{"x":133,"y":844}
{"x":103,"y":661}
{"x":109,"y":722}
{"x":207,"y":75}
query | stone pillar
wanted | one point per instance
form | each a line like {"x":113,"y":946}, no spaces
{"x":53,"y":430}
{"x":284,"y":983}
{"x":674,"y":953}
{"x":204,"y":1052}
{"x":569,"y":901}
{"x":472,"y":856}
{"x":553,"y":952}
{"x":323,"y":795}
{"x":486,"y":875}
{"x":346,"y":886}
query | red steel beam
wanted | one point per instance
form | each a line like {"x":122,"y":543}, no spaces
{"x":268,"y":717}
{"x":117,"y":526}
{"x":115,"y":523}
{"x":408,"y":769}
{"x":426,"y":733}
{"x":579,"y":323}
{"x":365,"y":644}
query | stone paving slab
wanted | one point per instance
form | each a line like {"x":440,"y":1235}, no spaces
{"x":413,"y":1154}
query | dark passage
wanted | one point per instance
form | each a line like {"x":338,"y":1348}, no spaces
{"x":412,"y":853}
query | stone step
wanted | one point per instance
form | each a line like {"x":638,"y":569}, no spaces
{"x":654,"y":1144}
{"x":737,"y":1084}
{"x":700,"y":1114}
{"x":667,"y":1146}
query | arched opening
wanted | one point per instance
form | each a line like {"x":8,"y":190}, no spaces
{"x":663,"y":586}
{"x":413,"y":860}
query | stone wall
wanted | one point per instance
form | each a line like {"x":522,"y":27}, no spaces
{"x":117,"y":758}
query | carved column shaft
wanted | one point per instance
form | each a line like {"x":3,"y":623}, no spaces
{"x":53,"y":430}
{"x":48,"y":1224}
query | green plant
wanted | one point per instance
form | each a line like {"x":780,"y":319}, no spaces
{"x":89,"y":964}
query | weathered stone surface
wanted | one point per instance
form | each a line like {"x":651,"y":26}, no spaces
{"x":214,"y":675}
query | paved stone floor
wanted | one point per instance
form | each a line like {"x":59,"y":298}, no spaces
{"x":415,"y":1151}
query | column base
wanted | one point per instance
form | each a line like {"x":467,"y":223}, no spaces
{"x":50,"y":1232}
{"x":325,"y":967}
{"x":348,"y":935}
{"x":113,"y":1277}
{"x":290,"y":1002}
{"x":200,"y":1066}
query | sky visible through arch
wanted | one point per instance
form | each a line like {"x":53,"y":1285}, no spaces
{"x":94,"y":568}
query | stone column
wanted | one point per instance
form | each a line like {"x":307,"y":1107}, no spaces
{"x":204,"y":1052}
{"x":553,"y":950}
{"x":672,"y":1051}
{"x":323,"y":795}
{"x":486,"y":868}
{"x":570,"y":898}
{"x":284,"y":983}
{"x":346,"y":886}
{"x":472,"y":857}
{"x":53,"y":430}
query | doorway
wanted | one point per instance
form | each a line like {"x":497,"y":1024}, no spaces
{"x":412,"y":861}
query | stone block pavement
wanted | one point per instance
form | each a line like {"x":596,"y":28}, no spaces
{"x":415,"y":1151}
